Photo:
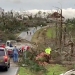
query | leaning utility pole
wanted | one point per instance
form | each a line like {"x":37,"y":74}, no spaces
{"x":64,"y":35}
{"x":60,"y":37}
{"x":56,"y":32}
{"x":60,"y":29}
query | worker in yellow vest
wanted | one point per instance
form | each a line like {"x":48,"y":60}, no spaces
{"x":48,"y":54}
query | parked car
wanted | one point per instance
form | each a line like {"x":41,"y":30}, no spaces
{"x":4,"y":59}
{"x":2,"y":45}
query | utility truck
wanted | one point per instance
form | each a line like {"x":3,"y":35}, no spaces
{"x":9,"y":46}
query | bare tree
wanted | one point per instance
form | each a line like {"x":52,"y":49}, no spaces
{"x":39,"y":14}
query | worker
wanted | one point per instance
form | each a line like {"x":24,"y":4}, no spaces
{"x":27,"y":32}
{"x":15,"y":54}
{"x":48,"y":53}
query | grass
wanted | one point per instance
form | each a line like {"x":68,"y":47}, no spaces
{"x":24,"y":71}
{"x":35,"y":36}
{"x":56,"y":69}
{"x":17,"y":34}
{"x":53,"y":69}
{"x":51,"y":33}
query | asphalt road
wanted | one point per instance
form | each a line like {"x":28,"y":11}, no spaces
{"x":11,"y":71}
{"x":28,"y":37}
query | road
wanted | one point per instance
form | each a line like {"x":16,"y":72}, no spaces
{"x":12,"y":70}
{"x":28,"y":37}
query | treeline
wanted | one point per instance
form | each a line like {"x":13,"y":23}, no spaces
{"x":10,"y":25}
{"x":70,"y":26}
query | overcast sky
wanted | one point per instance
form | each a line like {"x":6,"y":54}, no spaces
{"x":68,"y":6}
{"x":36,"y":4}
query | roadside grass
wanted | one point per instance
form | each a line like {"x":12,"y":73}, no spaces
{"x":51,"y":33}
{"x":24,"y":71}
{"x":56,"y":69}
{"x":35,"y":36}
{"x":53,"y":69}
{"x":17,"y":34}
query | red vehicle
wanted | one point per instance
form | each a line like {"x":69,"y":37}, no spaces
{"x":4,"y":59}
{"x":2,"y":45}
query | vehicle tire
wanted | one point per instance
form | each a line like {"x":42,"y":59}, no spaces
{"x":6,"y":68}
{"x":9,"y":65}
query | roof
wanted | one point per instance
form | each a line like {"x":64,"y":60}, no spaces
{"x":56,"y":15}
{"x":11,"y":40}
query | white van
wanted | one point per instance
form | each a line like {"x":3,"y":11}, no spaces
{"x":10,"y":46}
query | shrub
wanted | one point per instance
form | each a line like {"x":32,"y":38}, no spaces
{"x":31,"y":62}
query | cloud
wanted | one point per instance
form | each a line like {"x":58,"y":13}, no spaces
{"x":15,"y":1}
{"x":67,"y":13}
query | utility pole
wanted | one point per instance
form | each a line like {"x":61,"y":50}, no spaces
{"x":60,"y":37}
{"x":64,"y":35}
{"x":56,"y":26}
{"x":56,"y":31}
{"x":60,"y":29}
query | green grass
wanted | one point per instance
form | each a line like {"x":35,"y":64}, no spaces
{"x":51,"y":33}
{"x":35,"y":36}
{"x":56,"y":69}
{"x":24,"y":71}
{"x":52,"y":68}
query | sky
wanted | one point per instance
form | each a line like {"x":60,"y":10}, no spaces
{"x":21,"y":5}
{"x":36,"y":4}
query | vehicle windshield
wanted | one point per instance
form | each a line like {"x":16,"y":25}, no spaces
{"x":2,"y":53}
{"x":8,"y":44}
